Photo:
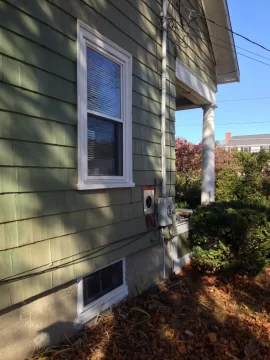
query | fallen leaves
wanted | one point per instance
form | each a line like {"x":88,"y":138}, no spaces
{"x":189,"y":333}
{"x":182,"y":348}
{"x":141,"y":310}
{"x":251,"y":350}
{"x":212,"y":337}
{"x":189,"y":318}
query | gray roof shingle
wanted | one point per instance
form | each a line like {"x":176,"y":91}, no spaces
{"x":249,"y":140}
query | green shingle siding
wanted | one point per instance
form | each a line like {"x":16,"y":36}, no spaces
{"x":22,"y":127}
{"x":147,"y":163}
{"x":144,"y":88}
{"x":147,"y":74}
{"x":62,"y":248}
{"x":32,"y":230}
{"x":7,"y":206}
{"x":8,"y":180}
{"x":26,"y":26}
{"x":136,"y":194}
{"x":21,"y":153}
{"x":19,"y":100}
{"x":147,"y":177}
{"x":31,"y":205}
{"x":37,"y":179}
{"x":34,"y":79}
{"x":17,"y":47}
{"x":49,"y":14}
{"x":43,"y":220}
{"x":9,"y":235}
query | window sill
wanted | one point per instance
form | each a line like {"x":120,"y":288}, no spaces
{"x":101,"y":304}
{"x":104,"y":185}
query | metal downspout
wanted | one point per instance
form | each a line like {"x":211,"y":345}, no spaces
{"x":163,"y":99}
{"x":163,"y":118}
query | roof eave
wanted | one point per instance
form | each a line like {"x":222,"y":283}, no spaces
{"x":227,"y":67}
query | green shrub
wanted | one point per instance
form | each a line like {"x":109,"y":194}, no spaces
{"x":188,"y":192}
{"x":213,"y":259}
{"x":233,"y":235}
{"x":266,"y":187}
{"x":226,"y":185}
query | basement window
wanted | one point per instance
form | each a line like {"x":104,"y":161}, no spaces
{"x":99,"y":290}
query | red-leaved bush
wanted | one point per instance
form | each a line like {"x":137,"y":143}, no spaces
{"x":189,"y":159}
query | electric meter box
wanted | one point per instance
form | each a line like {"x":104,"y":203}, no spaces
{"x":165,"y":211}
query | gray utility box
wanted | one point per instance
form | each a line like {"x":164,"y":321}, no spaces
{"x":165,"y":211}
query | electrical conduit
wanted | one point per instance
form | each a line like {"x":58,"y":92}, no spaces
{"x":163,"y":99}
{"x":163,"y":118}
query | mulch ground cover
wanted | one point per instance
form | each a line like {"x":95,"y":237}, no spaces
{"x":189,"y":316}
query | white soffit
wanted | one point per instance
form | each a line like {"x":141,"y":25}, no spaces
{"x":227,"y":68}
{"x":199,"y":89}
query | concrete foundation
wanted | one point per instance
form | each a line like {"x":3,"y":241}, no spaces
{"x":50,"y":318}
{"x":146,"y":266}
{"x":37,"y":323}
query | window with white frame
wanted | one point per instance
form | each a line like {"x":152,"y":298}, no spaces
{"x":101,"y":289}
{"x":104,"y":112}
{"x":246,"y":149}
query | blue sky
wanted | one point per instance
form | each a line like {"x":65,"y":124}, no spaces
{"x":252,"y":20}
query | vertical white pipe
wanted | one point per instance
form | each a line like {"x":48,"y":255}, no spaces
{"x":164,"y":254}
{"x":163,"y":119}
{"x":208,"y":155}
{"x":163,"y":99}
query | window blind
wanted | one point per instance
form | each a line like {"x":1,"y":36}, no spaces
{"x":103,"y":85}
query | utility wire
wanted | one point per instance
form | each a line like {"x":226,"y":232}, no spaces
{"x":246,"y":56}
{"x":225,"y":124}
{"x":137,"y":237}
{"x":223,"y":26}
{"x":239,"y":47}
{"x":227,"y":42}
{"x":236,"y":100}
{"x":233,"y":51}
{"x":221,"y":46}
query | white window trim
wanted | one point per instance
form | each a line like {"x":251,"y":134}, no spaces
{"x":91,"y":38}
{"x":88,"y":312}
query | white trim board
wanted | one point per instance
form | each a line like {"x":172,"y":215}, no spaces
{"x":183,"y":227}
{"x":199,"y":88}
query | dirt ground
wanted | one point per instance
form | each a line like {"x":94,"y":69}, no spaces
{"x":188,"y":316}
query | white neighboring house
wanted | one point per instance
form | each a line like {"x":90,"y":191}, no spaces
{"x":247,"y":143}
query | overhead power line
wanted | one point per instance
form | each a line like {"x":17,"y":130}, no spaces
{"x":239,"y":47}
{"x":227,"y":42}
{"x":229,"y":49}
{"x":224,"y":41}
{"x":225,"y":124}
{"x":234,"y":51}
{"x":247,"y":99}
{"x":237,"y":52}
{"x":192,"y":11}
